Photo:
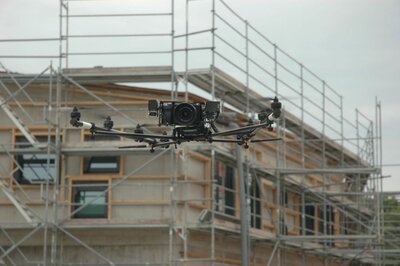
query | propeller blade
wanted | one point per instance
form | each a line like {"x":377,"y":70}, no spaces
{"x":227,"y":140}
{"x":134,"y":135}
{"x":241,"y":130}
{"x":133,"y":146}
{"x":265,"y":140}
{"x":160,"y":144}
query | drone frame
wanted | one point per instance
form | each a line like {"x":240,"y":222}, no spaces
{"x":243,"y":135}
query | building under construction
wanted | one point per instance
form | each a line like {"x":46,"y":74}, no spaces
{"x":313,"y":198}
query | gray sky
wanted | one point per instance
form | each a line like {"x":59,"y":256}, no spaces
{"x":354,"y":45}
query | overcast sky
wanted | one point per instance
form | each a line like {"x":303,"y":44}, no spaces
{"x":352,"y":44}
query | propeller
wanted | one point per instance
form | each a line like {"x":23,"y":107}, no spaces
{"x":163,"y":143}
{"x":70,"y":108}
{"x":265,"y":140}
{"x":280,"y":97}
{"x":133,"y":146}
{"x":226,"y":118}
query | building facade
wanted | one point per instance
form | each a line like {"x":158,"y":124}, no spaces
{"x":70,"y":198}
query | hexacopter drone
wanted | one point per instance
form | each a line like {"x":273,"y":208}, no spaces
{"x":190,"y":122}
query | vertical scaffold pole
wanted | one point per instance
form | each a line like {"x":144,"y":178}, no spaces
{"x":278,"y":165}
{"x":46,"y":214}
{"x":244,"y":225}
{"x":303,"y":200}
{"x":67,"y":34}
{"x":377,"y":190}
{"x":213,"y":52}
{"x":247,"y":66}
{"x":302,"y":146}
{"x":212,"y":145}
{"x":381,"y":222}
{"x":247,"y":175}
{"x":323,"y":165}
{"x":57,"y":140}
{"x":174,"y":95}
{"x":186,"y":51}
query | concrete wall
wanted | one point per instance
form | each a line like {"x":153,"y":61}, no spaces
{"x":147,"y":246}
{"x":122,"y":246}
{"x":143,"y":199}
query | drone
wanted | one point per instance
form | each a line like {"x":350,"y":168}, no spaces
{"x":189,"y":122}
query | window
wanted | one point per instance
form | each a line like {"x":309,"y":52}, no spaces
{"x":309,"y":219}
{"x":255,"y":205}
{"x":329,"y":220}
{"x":330,"y":225}
{"x":290,"y":222}
{"x":92,"y":194}
{"x":286,"y":198}
{"x":101,"y":164}
{"x":321,"y":219}
{"x":269,"y":211}
{"x":325,"y":220}
{"x":33,"y":168}
{"x":292,"y":215}
{"x":230,"y":191}
{"x":225,"y":193}
{"x":343,"y":224}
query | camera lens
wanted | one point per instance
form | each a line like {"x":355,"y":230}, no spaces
{"x":185,"y":114}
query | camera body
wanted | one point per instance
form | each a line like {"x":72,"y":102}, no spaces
{"x":184,"y":114}
{"x":180,"y":114}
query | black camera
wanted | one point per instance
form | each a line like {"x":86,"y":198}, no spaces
{"x":184,"y":114}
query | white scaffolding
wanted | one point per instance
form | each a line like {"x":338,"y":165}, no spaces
{"x":240,"y":67}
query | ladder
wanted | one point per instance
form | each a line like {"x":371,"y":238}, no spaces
{"x":22,"y":208}
{"x":18,"y":123}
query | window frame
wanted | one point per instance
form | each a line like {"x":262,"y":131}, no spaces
{"x":255,"y":205}
{"x":232,"y":192}
{"x":97,"y":171}
{"x":42,"y":132}
{"x":103,"y":182}
{"x":120,"y":159}
{"x":269,"y":190}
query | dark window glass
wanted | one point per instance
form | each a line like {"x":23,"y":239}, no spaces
{"x":229,"y":191}
{"x":33,"y":168}
{"x":101,"y":164}
{"x":321,"y":220}
{"x":310,"y":212}
{"x":286,"y":199}
{"x":330,"y":223}
{"x":255,"y":205}
{"x":225,"y":190}
{"x":101,"y":138}
{"x":330,"y":220}
{"x":92,"y":194}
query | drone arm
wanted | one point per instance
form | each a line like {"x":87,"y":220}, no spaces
{"x":76,"y":122}
{"x":85,"y":125}
{"x":214,"y":127}
{"x":91,"y":126}
{"x":133,"y":135}
{"x":107,"y":129}
{"x":151,"y":145}
{"x":273,"y":117}
{"x":242,"y":130}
